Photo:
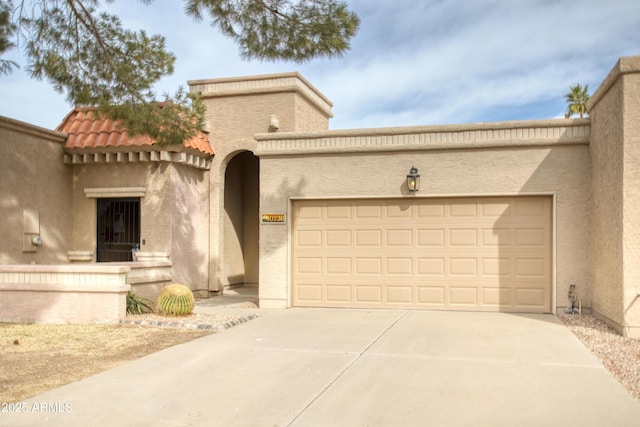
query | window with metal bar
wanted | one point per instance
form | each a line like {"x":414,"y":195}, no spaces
{"x":118,"y":229}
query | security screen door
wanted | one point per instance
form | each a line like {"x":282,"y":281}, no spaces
{"x":118,"y":229}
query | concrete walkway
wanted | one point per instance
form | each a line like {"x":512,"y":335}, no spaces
{"x":325,"y":367}
{"x":240,"y":297}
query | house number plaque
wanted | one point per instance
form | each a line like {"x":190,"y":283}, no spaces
{"x":273,"y":218}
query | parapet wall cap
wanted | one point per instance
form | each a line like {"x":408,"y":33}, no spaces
{"x":625,"y":65}
{"x":259,"y":84}
{"x":28,"y":128}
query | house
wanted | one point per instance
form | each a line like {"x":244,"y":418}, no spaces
{"x":507,"y":216}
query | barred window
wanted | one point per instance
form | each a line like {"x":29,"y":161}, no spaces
{"x":118,"y":229}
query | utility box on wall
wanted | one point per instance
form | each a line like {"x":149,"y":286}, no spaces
{"x":31,"y":239}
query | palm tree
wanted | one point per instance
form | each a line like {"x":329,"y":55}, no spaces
{"x":577,"y":99}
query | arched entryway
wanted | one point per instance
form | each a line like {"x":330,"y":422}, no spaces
{"x":241,"y":205}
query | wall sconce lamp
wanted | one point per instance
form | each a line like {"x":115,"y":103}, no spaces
{"x":413,"y":179}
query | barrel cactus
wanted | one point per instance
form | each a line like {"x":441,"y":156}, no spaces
{"x":176,"y":300}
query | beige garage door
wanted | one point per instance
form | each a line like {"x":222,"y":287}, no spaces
{"x":479,"y":254}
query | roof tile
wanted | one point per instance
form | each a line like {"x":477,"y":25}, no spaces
{"x":87,"y":132}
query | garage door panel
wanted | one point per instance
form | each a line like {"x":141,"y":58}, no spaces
{"x":495,"y":208}
{"x":431,"y":209}
{"x":398,"y":211}
{"x":308,"y":212}
{"x":369,"y":266}
{"x":466,"y":254}
{"x":399,"y":238}
{"x":309,"y":238}
{"x":309,"y":265}
{"x":431,"y":296}
{"x":368,"y":238}
{"x":531,"y":297}
{"x":369,"y":294}
{"x":432,"y":237}
{"x":496,"y":296}
{"x":339,"y":266}
{"x":496,"y":237}
{"x":338,"y":212}
{"x":309,"y":292}
{"x":529,"y":207}
{"x":530,"y":267}
{"x":461,"y":266}
{"x":399,"y":266}
{"x":368,"y":212}
{"x":339,"y":293}
{"x":461,"y":295}
{"x":531,"y":237}
{"x":399,"y":295}
{"x":463,"y":208}
{"x":500,"y":267}
{"x":338,"y":238}
{"x":434,"y":267}
{"x":467,"y":237}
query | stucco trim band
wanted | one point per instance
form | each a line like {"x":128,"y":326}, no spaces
{"x":114,"y":192}
{"x":80,"y":256}
{"x":460,"y":137}
{"x":188,"y":159}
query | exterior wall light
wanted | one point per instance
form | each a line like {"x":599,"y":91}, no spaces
{"x":413,"y":180}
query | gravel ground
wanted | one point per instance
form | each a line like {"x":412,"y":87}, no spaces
{"x":209,"y":322}
{"x":620,"y":355}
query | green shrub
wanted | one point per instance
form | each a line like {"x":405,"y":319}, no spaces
{"x":137,"y":304}
{"x":176,"y":300}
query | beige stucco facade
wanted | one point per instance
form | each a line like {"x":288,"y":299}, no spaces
{"x":237,"y":109}
{"x":202,"y":218}
{"x":615,"y":209}
{"x":35,"y":195}
{"x":533,"y":158}
{"x":173,"y":208}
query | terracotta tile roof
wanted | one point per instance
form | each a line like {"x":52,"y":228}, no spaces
{"x":87,"y":132}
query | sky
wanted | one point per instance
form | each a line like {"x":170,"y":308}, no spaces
{"x":412,"y":63}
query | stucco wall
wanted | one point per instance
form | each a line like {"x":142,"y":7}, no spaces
{"x":550,"y":157}
{"x":236,"y":117}
{"x":607,"y":204}
{"x":238,"y":108}
{"x":174,"y":210}
{"x":615,"y":152}
{"x":309,"y":117}
{"x":631,"y":214}
{"x":63,"y":293}
{"x":240,"y":117}
{"x":190,"y":227}
{"x":33,"y":176}
{"x":155,"y":205}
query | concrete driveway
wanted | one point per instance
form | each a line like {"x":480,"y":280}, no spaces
{"x":325,"y":367}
